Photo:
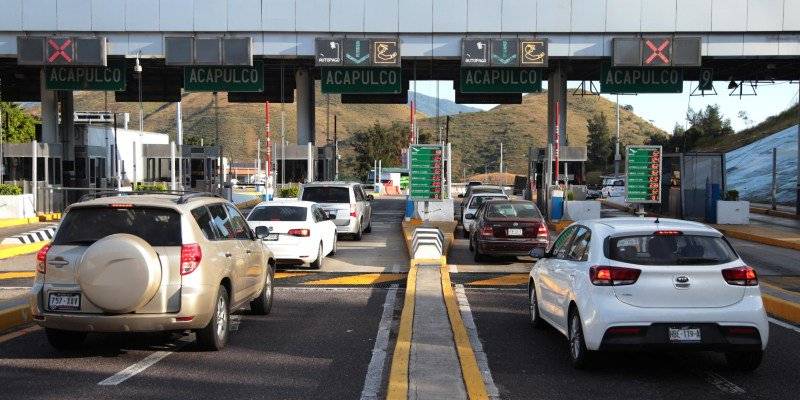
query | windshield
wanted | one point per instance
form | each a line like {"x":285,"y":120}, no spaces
{"x":513,"y":210}
{"x":278,"y":213}
{"x":478,"y":200}
{"x":670,"y":250}
{"x":86,"y":225}
{"x":325,"y":194}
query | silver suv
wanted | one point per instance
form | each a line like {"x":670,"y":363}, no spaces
{"x":346,"y":203}
{"x":154,"y":262}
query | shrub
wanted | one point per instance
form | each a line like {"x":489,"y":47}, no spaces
{"x":10,"y":190}
{"x":151,"y":187}
{"x":732,"y":195}
{"x":289,"y":191}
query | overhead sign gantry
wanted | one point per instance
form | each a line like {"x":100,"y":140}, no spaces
{"x":508,"y":65}
{"x":359,"y":66}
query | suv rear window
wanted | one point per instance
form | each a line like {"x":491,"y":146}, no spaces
{"x":326,"y":194}
{"x":86,"y":225}
{"x":278,"y":213}
{"x":655,"y":249}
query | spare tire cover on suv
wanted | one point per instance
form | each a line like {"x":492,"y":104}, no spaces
{"x":119,"y":273}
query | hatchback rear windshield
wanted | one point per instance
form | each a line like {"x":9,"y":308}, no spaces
{"x":278,"y":213}
{"x":478,"y":200}
{"x":323,"y":194}
{"x":661,"y":249}
{"x":86,"y":225}
{"x":513,"y":210}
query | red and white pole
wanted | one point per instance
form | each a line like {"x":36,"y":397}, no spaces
{"x":557,"y":146}
{"x":268,"y":178}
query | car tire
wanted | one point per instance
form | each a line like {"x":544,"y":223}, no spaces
{"x":318,"y":263}
{"x":335,"y":245}
{"x":214,"y":336}
{"x":478,"y":257}
{"x":358,"y":235}
{"x":65,"y":340}
{"x":262,"y":304}
{"x":466,"y":233}
{"x":471,"y":247}
{"x":579,"y":355}
{"x":533,"y":308}
{"x":369,"y":228}
{"x":744,"y":361}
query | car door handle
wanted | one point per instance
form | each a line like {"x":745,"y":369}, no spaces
{"x":227,"y":254}
{"x":58,"y":263}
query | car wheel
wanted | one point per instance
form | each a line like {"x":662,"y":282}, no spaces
{"x":466,"y":233}
{"x":262,"y":304}
{"x":471,"y":247}
{"x":214,"y":336}
{"x":359,"y":235}
{"x":369,"y":228}
{"x":533,"y":307}
{"x":745,"y":361}
{"x":317,"y":264}
{"x":65,"y":340}
{"x":578,"y":354}
{"x":335,"y":245}
{"x":478,"y":257}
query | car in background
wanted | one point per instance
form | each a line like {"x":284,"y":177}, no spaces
{"x":144,"y":263}
{"x":471,"y":206}
{"x":613,"y":186}
{"x":347,"y":204}
{"x":634,"y":283}
{"x":481,"y":189}
{"x":507,"y":228}
{"x":474,"y":183}
{"x":300,"y":232}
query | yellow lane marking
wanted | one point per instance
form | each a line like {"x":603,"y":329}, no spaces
{"x":21,"y":332}
{"x":361,"y":279}
{"x":398,"y":377}
{"x":505,"y":280}
{"x":473,"y":380}
{"x":282,"y":275}
{"x":17,"y":274}
{"x":13,"y":250}
{"x":781,"y":308}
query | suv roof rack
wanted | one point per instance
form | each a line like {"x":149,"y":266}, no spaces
{"x":183,"y":195}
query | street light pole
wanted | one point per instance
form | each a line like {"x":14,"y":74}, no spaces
{"x":617,"y":157}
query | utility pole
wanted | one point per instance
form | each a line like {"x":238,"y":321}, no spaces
{"x":335,"y":151}
{"x":447,"y":130}
{"x":617,"y":157}
{"x":179,"y":128}
{"x":501,"y":157}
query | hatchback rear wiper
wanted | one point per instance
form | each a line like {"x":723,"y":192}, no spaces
{"x":698,"y":260}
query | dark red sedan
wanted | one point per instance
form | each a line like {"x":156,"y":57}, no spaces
{"x":507,"y":228}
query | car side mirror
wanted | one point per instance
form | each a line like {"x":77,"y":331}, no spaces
{"x":538,"y":252}
{"x":469,"y":216}
{"x":263,"y":231}
{"x":370,"y":197}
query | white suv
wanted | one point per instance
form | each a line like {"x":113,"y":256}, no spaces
{"x":345,"y":202}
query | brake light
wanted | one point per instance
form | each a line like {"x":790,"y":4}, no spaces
{"x":487,"y":231}
{"x":541,"y":232}
{"x":740,"y":276}
{"x":120,"y":205}
{"x":299,"y":232}
{"x":667,"y":233}
{"x":191,"y":255}
{"x":613,"y":276}
{"x":624,"y":330}
{"x":41,"y":259}
{"x":353,"y":211}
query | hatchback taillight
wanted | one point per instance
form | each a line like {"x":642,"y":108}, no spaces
{"x":41,"y":259}
{"x":740,"y":276}
{"x":191,"y":255}
{"x":487,"y":231}
{"x":541,"y":233}
{"x":601,"y":275}
{"x":299,"y":232}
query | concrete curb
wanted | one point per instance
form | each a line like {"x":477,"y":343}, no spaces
{"x":774,"y":213}
{"x":783,"y":309}
{"x":737,"y":234}
{"x":13,"y":250}
{"x":14,"y":316}
{"x":6,"y":223}
{"x":398,"y":374}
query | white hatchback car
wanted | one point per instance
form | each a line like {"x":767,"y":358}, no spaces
{"x":300,"y":231}
{"x":636,"y":283}
{"x":471,"y":206}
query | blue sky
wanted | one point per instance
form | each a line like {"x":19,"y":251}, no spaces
{"x":664,"y":110}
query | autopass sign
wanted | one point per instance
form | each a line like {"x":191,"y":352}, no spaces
{"x":643,"y":166}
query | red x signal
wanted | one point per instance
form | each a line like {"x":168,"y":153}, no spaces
{"x":657,"y":51}
{"x":59,"y":51}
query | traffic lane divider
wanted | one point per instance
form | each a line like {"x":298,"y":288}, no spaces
{"x":398,"y":374}
{"x":13,"y":250}
{"x":9,"y":222}
{"x":15,"y":316}
{"x":783,"y":309}
{"x":786,"y":243}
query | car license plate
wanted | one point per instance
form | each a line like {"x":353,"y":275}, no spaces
{"x":64,"y":301}
{"x":515,"y":232}
{"x":684,"y":334}
{"x":272,"y":237}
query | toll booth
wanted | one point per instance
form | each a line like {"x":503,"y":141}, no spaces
{"x":691,"y":183}
{"x":572,"y":170}
{"x":292,"y":163}
{"x":17,"y":165}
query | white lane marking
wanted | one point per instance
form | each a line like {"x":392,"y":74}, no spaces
{"x":140,"y":366}
{"x":15,"y":288}
{"x":784,"y":324}
{"x":21,"y":332}
{"x":721,"y":383}
{"x":477,"y":347}
{"x":372,"y":382}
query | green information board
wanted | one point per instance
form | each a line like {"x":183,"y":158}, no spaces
{"x":427,"y":172}
{"x":500,"y":80}
{"x":224,"y":79}
{"x":643,"y":166}
{"x":361,"y":80}
{"x":110,"y":78}
{"x":640,"y":80}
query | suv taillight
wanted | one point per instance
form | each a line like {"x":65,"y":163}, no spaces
{"x":740,"y":276}
{"x":191,"y":255}
{"x":601,"y":275}
{"x":299,"y":232}
{"x":353,"y":211}
{"x":41,"y":259}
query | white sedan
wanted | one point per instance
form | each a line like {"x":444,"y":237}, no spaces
{"x":644,"y":283}
{"x":300,"y":231}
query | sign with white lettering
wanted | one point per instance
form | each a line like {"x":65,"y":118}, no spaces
{"x":643,"y":167}
{"x":328,"y":52}
{"x":640,"y":80}
{"x":224,"y":79}
{"x":474,"y":52}
{"x":500,"y":80}
{"x":110,"y":78}
{"x":361,"y":80}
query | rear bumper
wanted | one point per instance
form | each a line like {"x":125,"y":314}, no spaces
{"x":350,"y":227}
{"x":714,"y":337}
{"x":301,"y":251}
{"x":508,"y":247}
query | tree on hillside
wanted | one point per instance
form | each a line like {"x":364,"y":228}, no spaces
{"x":599,"y":143}
{"x":710,"y":123}
{"x":378,"y":142}
{"x":18,"y":126}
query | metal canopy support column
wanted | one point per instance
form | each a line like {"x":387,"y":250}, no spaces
{"x":305,"y":106}
{"x":68,"y":133}
{"x":49,"y":109}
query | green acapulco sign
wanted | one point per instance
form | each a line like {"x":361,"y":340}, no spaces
{"x":109,"y":78}
{"x":361,"y":80}
{"x":224,"y":79}
{"x":500,"y":80}
{"x":640,"y":80}
{"x":426,"y":180}
{"x":643,"y":167}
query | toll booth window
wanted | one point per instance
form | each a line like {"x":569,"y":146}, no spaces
{"x":322,"y":194}
{"x":86,"y":225}
{"x":278,"y":213}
